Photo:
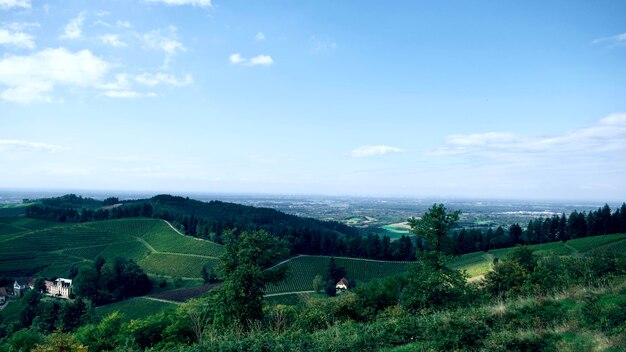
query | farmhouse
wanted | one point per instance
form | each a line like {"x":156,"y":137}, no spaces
{"x":342,"y":284}
{"x":3,"y":295}
{"x":60,"y":287}
{"x":21,"y":285}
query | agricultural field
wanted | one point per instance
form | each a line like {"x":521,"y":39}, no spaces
{"x":51,"y":248}
{"x":292,"y":299}
{"x":588,"y":243}
{"x":134,"y":308}
{"x":395,"y":231}
{"x":185,"y":266}
{"x":544,"y":249}
{"x":475,"y":264}
{"x":303,"y":269}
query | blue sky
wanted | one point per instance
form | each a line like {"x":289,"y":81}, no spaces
{"x":432,"y":98}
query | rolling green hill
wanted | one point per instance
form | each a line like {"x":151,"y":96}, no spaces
{"x":303,"y":269}
{"x":30,"y":246}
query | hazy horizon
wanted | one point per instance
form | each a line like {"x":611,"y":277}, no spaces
{"x":481,"y":100}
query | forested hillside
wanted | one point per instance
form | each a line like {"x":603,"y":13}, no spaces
{"x":209,"y":220}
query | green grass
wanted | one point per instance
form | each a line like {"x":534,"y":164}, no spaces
{"x":176,"y":265}
{"x":588,"y":243}
{"x":292,"y":299}
{"x":28,"y":223}
{"x":618,"y":247}
{"x":544,"y":249}
{"x":51,"y":248}
{"x":7,"y":229}
{"x":303,"y":269}
{"x":134,"y":308}
{"x":12,"y":311}
{"x":160,"y":236}
{"x":475,"y":264}
{"x":130,"y":250}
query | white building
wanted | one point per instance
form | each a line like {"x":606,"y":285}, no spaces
{"x":342,"y":285}
{"x":59,"y":288}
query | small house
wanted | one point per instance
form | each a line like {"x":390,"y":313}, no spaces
{"x":3,"y":295}
{"x":60,"y":287}
{"x":342,"y":284}
{"x":21,"y":285}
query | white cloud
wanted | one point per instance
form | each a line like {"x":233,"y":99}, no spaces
{"x":73,"y":29}
{"x":112,"y":40}
{"x":615,"y":39}
{"x":261,"y":60}
{"x":319,"y":45}
{"x":33,"y":77}
{"x":372,"y":150}
{"x":606,"y":135}
{"x":123,"y":24}
{"x":259,"y":36}
{"x":164,"y":40}
{"x":125,"y":94}
{"x":199,"y":3}
{"x":14,"y":145}
{"x":102,"y":13}
{"x":153,"y":79}
{"x":236,"y":58}
{"x":16,"y":38}
{"x":9,"y":4}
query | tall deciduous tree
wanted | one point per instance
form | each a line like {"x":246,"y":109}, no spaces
{"x":245,"y":268}
{"x":434,"y":225}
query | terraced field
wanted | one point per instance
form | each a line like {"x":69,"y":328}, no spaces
{"x":30,"y":246}
{"x":303,"y":269}
{"x":588,"y":243}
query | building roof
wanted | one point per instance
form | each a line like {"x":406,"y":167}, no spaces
{"x":344,"y":282}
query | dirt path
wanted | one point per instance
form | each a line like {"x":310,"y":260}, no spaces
{"x":152,"y":250}
{"x":160,"y":300}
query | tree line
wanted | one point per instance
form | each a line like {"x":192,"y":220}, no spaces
{"x":602,"y":221}
{"x":212,"y":220}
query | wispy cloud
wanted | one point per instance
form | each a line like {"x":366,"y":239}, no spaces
{"x":372,"y":150}
{"x":198,"y":3}
{"x":606,"y":135}
{"x":259,"y":36}
{"x":264,"y":60}
{"x":33,"y":77}
{"x":127,"y":94}
{"x":319,"y":45}
{"x":160,"y":78}
{"x":16,"y":38}
{"x":123,"y":24}
{"x":261,"y":60}
{"x":164,"y":40}
{"x":14,"y":145}
{"x":614,"y":39}
{"x":9,"y":4}
{"x":112,"y":40}
{"x":73,"y":29}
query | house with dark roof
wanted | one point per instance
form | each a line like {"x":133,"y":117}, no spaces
{"x":342,"y":285}
{"x":21,"y":285}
